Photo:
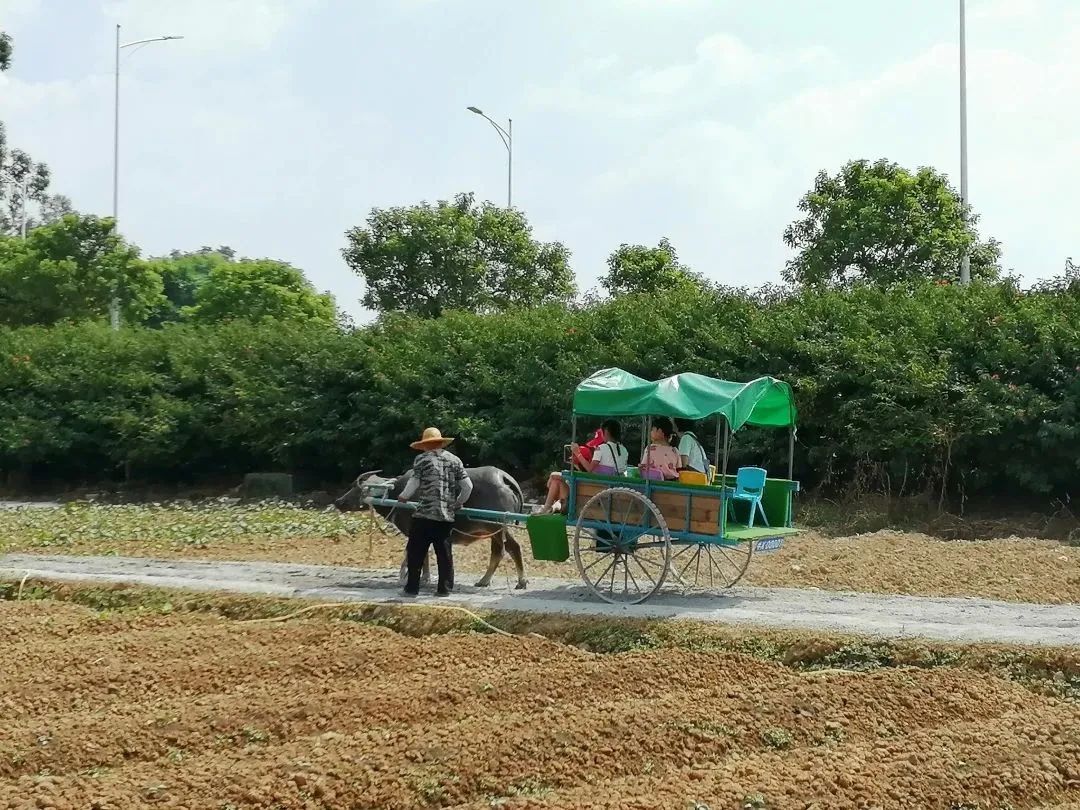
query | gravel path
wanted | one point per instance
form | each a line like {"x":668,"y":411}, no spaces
{"x":965,"y":619}
{"x":29,"y":504}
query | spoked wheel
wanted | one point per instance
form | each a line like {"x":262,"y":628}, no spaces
{"x":708,"y":566}
{"x":622,"y":546}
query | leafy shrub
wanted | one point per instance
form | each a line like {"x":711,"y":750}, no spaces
{"x":909,"y":389}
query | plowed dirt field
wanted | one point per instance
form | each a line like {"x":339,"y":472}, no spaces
{"x":119,"y":711}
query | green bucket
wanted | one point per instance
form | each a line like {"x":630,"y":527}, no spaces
{"x":547,"y":536}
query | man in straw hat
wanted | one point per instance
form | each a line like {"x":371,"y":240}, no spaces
{"x":440,"y":486}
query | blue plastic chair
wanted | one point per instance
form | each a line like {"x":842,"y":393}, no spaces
{"x":749,"y":486}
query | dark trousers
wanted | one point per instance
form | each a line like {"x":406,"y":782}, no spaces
{"x":423,"y":534}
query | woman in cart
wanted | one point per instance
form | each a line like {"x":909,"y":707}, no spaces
{"x":608,"y":458}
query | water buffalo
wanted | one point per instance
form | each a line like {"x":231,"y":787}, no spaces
{"x":493,"y":489}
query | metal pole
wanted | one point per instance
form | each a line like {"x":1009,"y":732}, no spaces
{"x":727,"y":445}
{"x":965,"y":260}
{"x":716,"y":443}
{"x":506,"y":135}
{"x":723,"y":479}
{"x":114,"y":304}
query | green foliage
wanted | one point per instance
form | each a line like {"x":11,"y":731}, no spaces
{"x":779,"y":739}
{"x":68,"y":271}
{"x":85,"y":401}
{"x":882,"y":223}
{"x":647,"y":270}
{"x":927,"y":388}
{"x":170,"y":526}
{"x":426,"y":259}
{"x":181,"y":276}
{"x":256,"y":290}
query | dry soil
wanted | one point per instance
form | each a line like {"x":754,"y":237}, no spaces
{"x":120,"y":711}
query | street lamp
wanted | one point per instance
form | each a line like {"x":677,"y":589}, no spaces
{"x":507,"y":137}
{"x":965,"y":260}
{"x":114,"y":305}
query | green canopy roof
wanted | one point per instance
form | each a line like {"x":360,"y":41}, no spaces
{"x":765,"y":402}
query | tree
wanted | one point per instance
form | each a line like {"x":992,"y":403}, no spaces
{"x":182,"y":274}
{"x":24,"y":186}
{"x":67,"y":271}
{"x":54,"y":208}
{"x":642,"y":269}
{"x":882,"y":223}
{"x":5,"y":51}
{"x":258,"y":289}
{"x":425,"y":259}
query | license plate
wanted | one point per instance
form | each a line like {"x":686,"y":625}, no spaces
{"x":769,"y":544}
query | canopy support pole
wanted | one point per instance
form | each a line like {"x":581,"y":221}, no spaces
{"x":791,"y":453}
{"x":727,"y":445}
{"x":723,"y":476}
{"x":716,"y":445}
{"x":644,"y":435}
{"x":573,"y":428}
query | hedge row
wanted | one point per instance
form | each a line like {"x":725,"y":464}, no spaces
{"x":900,"y":389}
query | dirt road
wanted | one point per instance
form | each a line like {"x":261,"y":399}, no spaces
{"x":951,"y":619}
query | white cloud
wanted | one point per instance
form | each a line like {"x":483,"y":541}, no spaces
{"x":720,"y":62}
{"x":10,"y":9}
{"x":209,"y":25}
{"x":750,"y":171}
{"x":997,"y":11}
{"x":725,"y":59}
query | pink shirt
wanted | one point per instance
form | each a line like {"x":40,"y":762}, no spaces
{"x":660,"y":460}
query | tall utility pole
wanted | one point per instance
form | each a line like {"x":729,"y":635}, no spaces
{"x":114,"y":304}
{"x":507,"y":137}
{"x":965,"y":260}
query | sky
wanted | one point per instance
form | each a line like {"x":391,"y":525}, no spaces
{"x":276,"y":125}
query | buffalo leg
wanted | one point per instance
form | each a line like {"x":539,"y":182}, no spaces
{"x":493,"y":561}
{"x":519,"y":563}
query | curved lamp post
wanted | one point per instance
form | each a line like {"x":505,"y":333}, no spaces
{"x":507,"y":137}
{"x":114,"y":305}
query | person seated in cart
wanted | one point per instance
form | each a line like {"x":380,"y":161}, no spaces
{"x":608,"y":458}
{"x":691,"y":453}
{"x":660,"y":461}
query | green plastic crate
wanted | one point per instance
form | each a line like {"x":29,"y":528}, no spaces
{"x":547,"y":536}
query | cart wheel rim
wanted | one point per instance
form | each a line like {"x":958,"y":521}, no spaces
{"x":622,"y":546}
{"x":710,"y":566}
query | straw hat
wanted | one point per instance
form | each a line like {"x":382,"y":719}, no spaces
{"x":431,"y":439}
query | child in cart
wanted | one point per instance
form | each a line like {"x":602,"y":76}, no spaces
{"x":607,"y":457}
{"x":660,"y":461}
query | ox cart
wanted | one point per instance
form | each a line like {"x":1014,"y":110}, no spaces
{"x":629,"y":535}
